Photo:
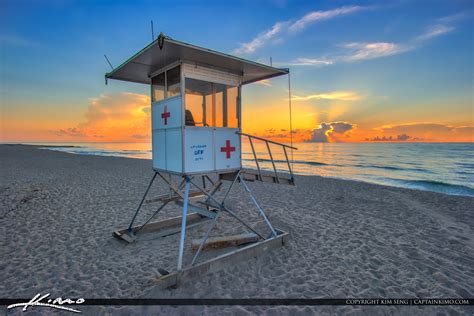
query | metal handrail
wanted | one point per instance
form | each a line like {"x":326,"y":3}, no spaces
{"x":267,"y":142}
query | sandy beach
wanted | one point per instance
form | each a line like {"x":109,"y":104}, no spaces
{"x":348,"y":239}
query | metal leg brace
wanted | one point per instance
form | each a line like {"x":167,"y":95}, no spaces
{"x":257,"y":205}
{"x":213,"y":223}
{"x":162,"y":206}
{"x":211,"y":226}
{"x":224,"y":208}
{"x":141,"y":203}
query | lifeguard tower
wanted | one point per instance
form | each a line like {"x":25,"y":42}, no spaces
{"x":196,"y":135}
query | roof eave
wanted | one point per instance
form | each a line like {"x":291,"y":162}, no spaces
{"x":278,"y":71}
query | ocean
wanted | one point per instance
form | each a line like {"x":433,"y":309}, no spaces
{"x":440,"y":167}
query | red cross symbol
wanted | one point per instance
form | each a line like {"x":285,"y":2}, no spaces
{"x":165,"y":115}
{"x":227,"y":149}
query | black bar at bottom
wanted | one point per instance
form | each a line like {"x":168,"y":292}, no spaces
{"x":261,"y":301}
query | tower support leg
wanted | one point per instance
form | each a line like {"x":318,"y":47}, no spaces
{"x":183,"y":224}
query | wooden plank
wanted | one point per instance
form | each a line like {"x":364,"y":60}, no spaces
{"x":124,"y":237}
{"x":218,"y":263}
{"x":159,"y":225}
{"x":226,"y":241}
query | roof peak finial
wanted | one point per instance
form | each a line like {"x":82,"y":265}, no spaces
{"x":161,"y":40}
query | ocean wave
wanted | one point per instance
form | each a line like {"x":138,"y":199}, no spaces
{"x":379,"y":167}
{"x":94,"y":152}
{"x":463,"y":172}
{"x":436,"y":186}
{"x":59,"y":146}
{"x":393,"y":168}
{"x":316,"y":163}
{"x":465,"y":165}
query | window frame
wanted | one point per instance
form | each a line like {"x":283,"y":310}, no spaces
{"x":225,"y":111}
{"x":165,"y":70}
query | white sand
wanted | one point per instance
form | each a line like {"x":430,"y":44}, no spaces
{"x":348,"y":239}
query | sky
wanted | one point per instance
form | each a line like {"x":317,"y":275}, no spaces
{"x":395,"y":71}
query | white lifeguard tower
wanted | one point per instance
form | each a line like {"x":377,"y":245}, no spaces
{"x":196,"y":133}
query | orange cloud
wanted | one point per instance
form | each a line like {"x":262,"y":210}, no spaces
{"x":428,"y":132}
{"x":113,"y":117}
{"x":342,"y":131}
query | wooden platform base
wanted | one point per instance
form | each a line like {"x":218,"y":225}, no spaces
{"x":223,"y":242}
{"x":215,"y":264}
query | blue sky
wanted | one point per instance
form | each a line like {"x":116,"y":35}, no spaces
{"x":401,"y":59}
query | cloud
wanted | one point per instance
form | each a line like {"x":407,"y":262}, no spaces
{"x":358,"y":51}
{"x":403,"y":137}
{"x":334,"y":95}
{"x":341,"y":127}
{"x":362,"y":51}
{"x":442,"y":27}
{"x":284,"y":135}
{"x":330,"y":131}
{"x":317,"y":16}
{"x":72,"y":131}
{"x":427,"y":131}
{"x":291,"y":27}
{"x":113,"y":117}
{"x":260,"y":40}
{"x":465,"y":129}
{"x":310,"y":62}
{"x":398,"y":138}
{"x":415,"y":127}
{"x":264,"y":82}
{"x":435,"y":31}
{"x":456,"y":17}
{"x":352,"y":52}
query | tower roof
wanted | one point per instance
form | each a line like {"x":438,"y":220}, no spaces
{"x":165,"y":51}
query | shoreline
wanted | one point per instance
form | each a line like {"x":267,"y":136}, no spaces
{"x":395,"y":182}
{"x":348,"y":238}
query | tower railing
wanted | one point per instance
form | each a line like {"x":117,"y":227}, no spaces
{"x":267,"y":142}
